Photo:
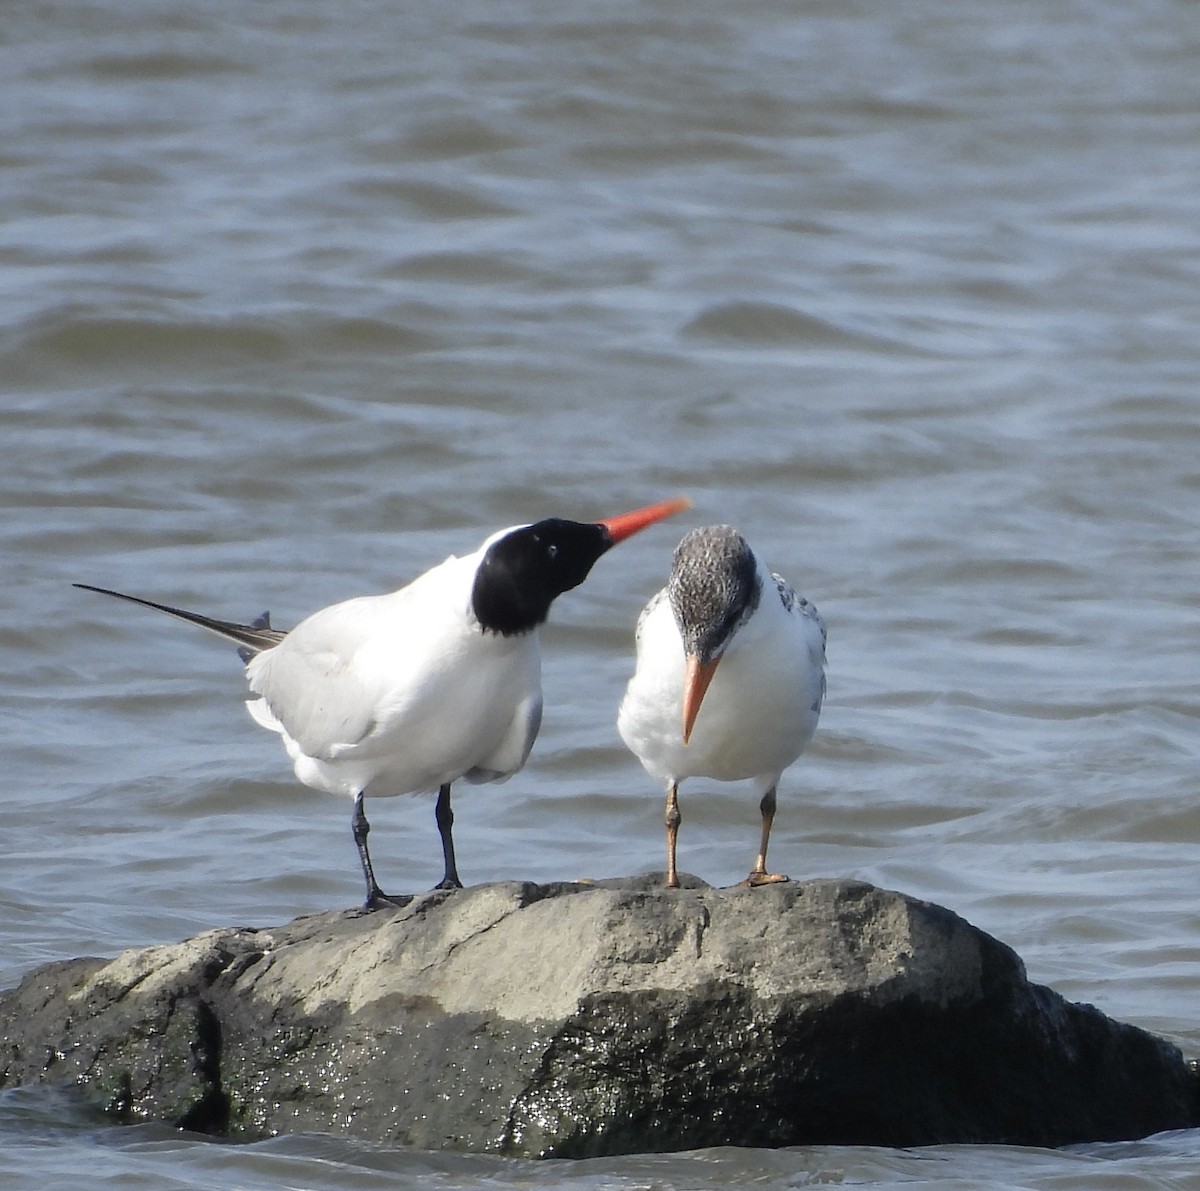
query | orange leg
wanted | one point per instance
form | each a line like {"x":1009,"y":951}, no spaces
{"x":758,"y":874}
{"x":673,"y":819}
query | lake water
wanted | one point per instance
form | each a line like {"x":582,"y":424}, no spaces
{"x":298,"y":298}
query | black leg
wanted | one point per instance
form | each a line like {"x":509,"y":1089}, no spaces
{"x":445,"y":823}
{"x":361,"y":828}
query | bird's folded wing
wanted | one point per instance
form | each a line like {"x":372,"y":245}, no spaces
{"x":314,"y":697}
{"x":513,"y":751}
{"x":355,"y":675}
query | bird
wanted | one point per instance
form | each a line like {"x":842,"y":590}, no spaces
{"x":413,"y":690}
{"x":729,"y":678}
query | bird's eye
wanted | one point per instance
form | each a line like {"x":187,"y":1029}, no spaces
{"x":552,"y":551}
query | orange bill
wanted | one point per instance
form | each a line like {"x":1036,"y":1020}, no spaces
{"x":695,"y":683}
{"x":627,"y":524}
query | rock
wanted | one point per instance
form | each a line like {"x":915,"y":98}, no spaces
{"x":578,"y":1020}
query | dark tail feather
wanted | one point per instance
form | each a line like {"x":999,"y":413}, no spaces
{"x":253,"y":638}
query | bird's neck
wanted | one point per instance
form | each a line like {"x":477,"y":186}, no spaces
{"x":504,"y":607}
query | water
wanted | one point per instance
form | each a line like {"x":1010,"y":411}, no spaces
{"x":296,"y":299}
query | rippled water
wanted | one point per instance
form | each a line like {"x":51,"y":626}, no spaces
{"x":296,"y":299}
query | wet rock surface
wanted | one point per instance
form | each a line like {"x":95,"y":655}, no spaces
{"x":579,"y":1020}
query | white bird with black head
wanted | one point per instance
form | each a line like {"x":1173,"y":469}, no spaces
{"x":412,"y":690}
{"x":729,"y":680}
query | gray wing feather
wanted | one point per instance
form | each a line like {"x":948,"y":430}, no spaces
{"x":253,"y":638}
{"x":796,"y":604}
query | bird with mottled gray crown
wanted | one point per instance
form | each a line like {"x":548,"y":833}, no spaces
{"x":729,"y":678}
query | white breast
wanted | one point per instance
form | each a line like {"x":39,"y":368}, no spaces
{"x":760,"y":711}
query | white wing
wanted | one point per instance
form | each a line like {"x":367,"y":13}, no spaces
{"x":401,"y":692}
{"x":320,"y":686}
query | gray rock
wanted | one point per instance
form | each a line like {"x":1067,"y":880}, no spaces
{"x":578,"y":1020}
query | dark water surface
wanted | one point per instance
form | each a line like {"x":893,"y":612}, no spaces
{"x":297,"y":299}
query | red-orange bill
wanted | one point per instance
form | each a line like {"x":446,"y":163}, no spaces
{"x":627,"y":524}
